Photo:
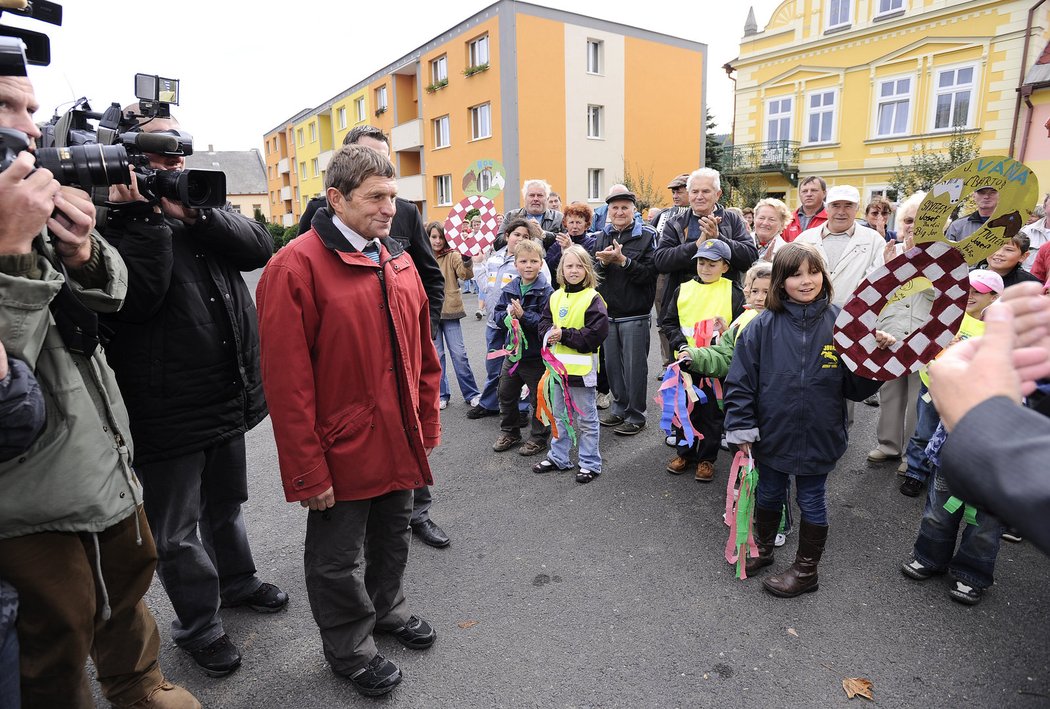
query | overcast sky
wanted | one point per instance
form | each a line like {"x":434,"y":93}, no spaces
{"x":247,"y":66}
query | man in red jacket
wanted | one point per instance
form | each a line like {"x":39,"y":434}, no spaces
{"x":351,"y":376}
{"x":811,"y":213}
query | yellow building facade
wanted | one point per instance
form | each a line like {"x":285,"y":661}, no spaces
{"x":850,"y":89}
{"x":516,"y":92}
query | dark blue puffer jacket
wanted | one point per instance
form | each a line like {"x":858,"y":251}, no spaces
{"x":787,"y":388}
{"x":535,"y":304}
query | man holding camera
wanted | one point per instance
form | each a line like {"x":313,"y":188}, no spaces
{"x":185,"y":348}
{"x":73,"y":539}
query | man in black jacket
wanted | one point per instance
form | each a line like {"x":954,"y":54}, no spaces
{"x":185,"y":348}
{"x":535,"y":194}
{"x":623,"y":251}
{"x":407,"y":229}
{"x":706,"y":219}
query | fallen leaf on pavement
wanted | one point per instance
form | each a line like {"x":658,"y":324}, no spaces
{"x":792,"y":632}
{"x":468,"y":624}
{"x":857,"y":687}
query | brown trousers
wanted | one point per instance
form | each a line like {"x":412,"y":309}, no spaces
{"x":60,"y":615}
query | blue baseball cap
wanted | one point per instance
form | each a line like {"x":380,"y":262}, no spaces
{"x":714,"y":250}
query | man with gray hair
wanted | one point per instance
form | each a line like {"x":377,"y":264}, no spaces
{"x":353,"y":441}
{"x":705,"y":219}
{"x":534,"y":194}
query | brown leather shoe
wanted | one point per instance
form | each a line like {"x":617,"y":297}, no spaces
{"x":801,"y":577}
{"x":167,"y":696}
{"x":678,"y":465}
{"x":505,"y":442}
{"x":766,"y":524}
{"x":705,"y":471}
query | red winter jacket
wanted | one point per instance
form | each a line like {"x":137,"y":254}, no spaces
{"x":794,"y":227}
{"x":349,"y":368}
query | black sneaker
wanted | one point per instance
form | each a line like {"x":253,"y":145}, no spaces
{"x":480,"y":412}
{"x":266,"y":599}
{"x":916,"y":570}
{"x":1012,"y":535}
{"x":415,"y":634}
{"x":376,"y":678}
{"x":967,"y":595}
{"x":912,"y":487}
{"x":218,"y":659}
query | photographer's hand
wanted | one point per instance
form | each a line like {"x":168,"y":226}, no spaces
{"x":3,"y":362}
{"x":176,"y":210}
{"x":121,"y":194}
{"x":71,"y":226}
{"x":26,"y":203}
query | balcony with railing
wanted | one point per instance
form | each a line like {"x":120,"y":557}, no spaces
{"x":780,"y":156}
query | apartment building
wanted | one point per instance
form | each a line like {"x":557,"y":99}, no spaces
{"x":516,"y":91}
{"x":848,"y":89}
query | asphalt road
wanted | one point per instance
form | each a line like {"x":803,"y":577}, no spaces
{"x":616,"y":594}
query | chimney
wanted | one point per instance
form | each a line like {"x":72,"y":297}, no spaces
{"x":211,"y":148}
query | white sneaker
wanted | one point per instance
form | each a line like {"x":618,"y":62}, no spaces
{"x":780,"y":540}
{"x":671,"y":441}
{"x":475,"y":401}
{"x":443,"y":405}
{"x":603,"y":401}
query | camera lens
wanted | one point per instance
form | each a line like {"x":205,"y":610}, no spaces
{"x":86,"y":166}
{"x":197,"y":189}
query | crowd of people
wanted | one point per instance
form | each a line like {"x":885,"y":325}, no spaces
{"x":132,"y":352}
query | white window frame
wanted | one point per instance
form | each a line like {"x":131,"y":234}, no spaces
{"x":478,"y":51}
{"x":481,"y":121}
{"x":595,"y":55}
{"x":313,"y":131}
{"x":302,"y":169}
{"x":937,"y":92}
{"x":382,"y":102}
{"x":443,"y":188}
{"x":341,"y":116}
{"x":299,"y":138}
{"x":315,"y":166}
{"x":841,"y":22}
{"x":442,"y":132}
{"x":359,"y":108}
{"x":779,"y":117}
{"x":595,"y":122}
{"x":439,"y":69}
{"x":595,"y":186}
{"x":888,"y":7}
{"x":826,"y":113}
{"x":878,"y":102}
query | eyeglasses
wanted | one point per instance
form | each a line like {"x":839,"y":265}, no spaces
{"x":877,"y":213}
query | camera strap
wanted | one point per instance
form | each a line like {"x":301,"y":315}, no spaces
{"x":76,"y":322}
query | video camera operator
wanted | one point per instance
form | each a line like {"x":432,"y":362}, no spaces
{"x":185,"y":348}
{"x":73,"y":539}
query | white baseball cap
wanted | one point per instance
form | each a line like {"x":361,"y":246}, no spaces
{"x":843,"y":193}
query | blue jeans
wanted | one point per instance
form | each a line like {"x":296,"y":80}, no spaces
{"x":10,"y":694}
{"x":494,"y":340}
{"x":451,"y":334}
{"x":926,"y":422}
{"x":586,"y":431}
{"x":811,"y":493}
{"x":974,"y":562}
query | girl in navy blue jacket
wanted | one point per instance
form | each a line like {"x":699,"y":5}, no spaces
{"x":785,"y":404}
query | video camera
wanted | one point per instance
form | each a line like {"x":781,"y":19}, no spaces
{"x":93,"y":158}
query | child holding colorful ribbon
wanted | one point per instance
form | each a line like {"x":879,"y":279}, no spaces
{"x":785,"y":406}
{"x":699,"y":310}
{"x":972,"y":565}
{"x":522,"y":304}
{"x":576,"y":324}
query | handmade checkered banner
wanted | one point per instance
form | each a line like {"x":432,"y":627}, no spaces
{"x":944,"y":266}
{"x":457,"y":232}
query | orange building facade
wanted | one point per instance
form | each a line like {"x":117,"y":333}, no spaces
{"x":515,"y":92}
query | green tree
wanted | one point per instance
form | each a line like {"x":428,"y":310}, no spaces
{"x":742,"y":190}
{"x":927,"y":166}
{"x":712,"y":146}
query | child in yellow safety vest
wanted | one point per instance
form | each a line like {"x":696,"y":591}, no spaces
{"x":574,"y":327}
{"x":702,"y":308}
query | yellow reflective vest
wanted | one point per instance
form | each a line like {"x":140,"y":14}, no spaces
{"x":703,"y":301}
{"x":569,"y":310}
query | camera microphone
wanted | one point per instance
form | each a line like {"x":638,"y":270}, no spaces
{"x":151,"y":142}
